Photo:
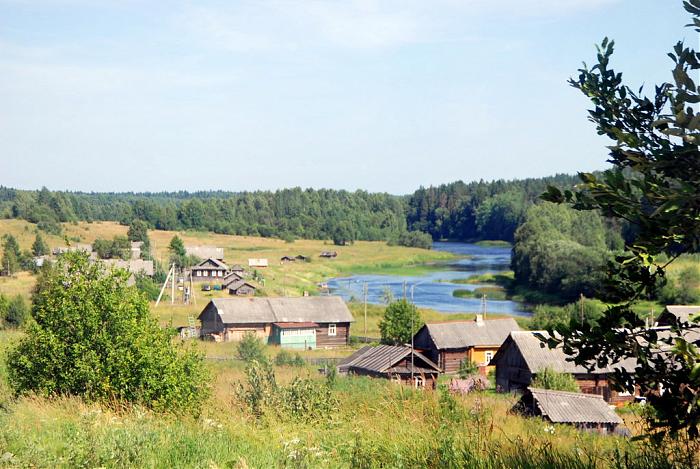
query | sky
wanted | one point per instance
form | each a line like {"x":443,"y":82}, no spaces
{"x":378,"y":95}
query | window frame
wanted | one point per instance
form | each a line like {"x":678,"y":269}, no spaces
{"x":332,"y":329}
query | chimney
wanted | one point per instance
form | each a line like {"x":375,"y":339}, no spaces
{"x":479,"y":319}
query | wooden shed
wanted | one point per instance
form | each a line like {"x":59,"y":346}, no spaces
{"x":449,"y":343}
{"x":230,"y":318}
{"x":584,"y":411}
{"x":329,"y":254}
{"x":240,"y":288}
{"x":285,"y":259}
{"x":397,"y":363}
{"x":523,"y":355}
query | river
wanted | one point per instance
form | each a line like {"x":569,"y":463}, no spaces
{"x":434,"y":289}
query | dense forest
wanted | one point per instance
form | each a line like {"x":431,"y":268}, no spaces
{"x":459,"y":211}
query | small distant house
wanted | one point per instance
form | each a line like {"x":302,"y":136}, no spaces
{"x":285,"y":259}
{"x":449,"y":343}
{"x":522,"y":356}
{"x":209,"y":270}
{"x":257,"y":263}
{"x":241,"y":288}
{"x":230,"y":278}
{"x":302,"y":258}
{"x":205,"y":252}
{"x":229,"y":319}
{"x":237,"y":268}
{"x":294,"y":335}
{"x":329,"y":254}
{"x":136,"y":249}
{"x":584,"y":411}
{"x":133,"y":266}
{"x":397,"y":363}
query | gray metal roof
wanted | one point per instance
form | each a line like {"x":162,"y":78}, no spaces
{"x":464,"y":334}
{"x":573,"y":407}
{"x":218,"y":265}
{"x":382,"y":358}
{"x":538,"y":356}
{"x":238,"y":284}
{"x":322,"y":309}
{"x":683,"y":312}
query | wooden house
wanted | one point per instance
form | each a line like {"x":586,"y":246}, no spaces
{"x":285,"y":259}
{"x":75,"y":247}
{"x":205,"y":252}
{"x":210,"y":270}
{"x":241,"y":288}
{"x":238,"y":268}
{"x":584,"y":411}
{"x":523,"y":355}
{"x":229,"y":318}
{"x":230,"y":278}
{"x":329,"y":254}
{"x":449,"y":343}
{"x":397,"y":363}
{"x":302,"y":258}
{"x":257,"y":263}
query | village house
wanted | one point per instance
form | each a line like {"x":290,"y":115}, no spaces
{"x":257,"y":263}
{"x":328,"y":254}
{"x":205,"y":252}
{"x":229,"y":319}
{"x":583,"y":411}
{"x":133,"y":266}
{"x":301,"y":257}
{"x":209,"y":270}
{"x":449,"y":343}
{"x":285,"y":259}
{"x":238,"y":269}
{"x":75,"y":247}
{"x":397,"y":363}
{"x":241,"y":288}
{"x":230,"y":278}
{"x":522,"y":356}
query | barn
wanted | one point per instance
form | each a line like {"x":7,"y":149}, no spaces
{"x":584,"y":411}
{"x":397,"y":363}
{"x":449,"y":343}
{"x":523,"y":355}
{"x":230,"y":318}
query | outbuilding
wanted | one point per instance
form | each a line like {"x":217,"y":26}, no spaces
{"x":583,"y":411}
{"x":241,"y":288}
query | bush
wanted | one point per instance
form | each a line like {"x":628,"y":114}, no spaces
{"x":284,"y":358}
{"x":251,"y":348}
{"x":412,"y":239}
{"x":550,"y":379}
{"x":14,"y":314}
{"x":467,"y":367}
{"x":93,"y":336}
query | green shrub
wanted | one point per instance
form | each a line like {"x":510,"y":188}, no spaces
{"x":251,"y":348}
{"x":467,"y":367}
{"x":14,"y":313}
{"x":550,"y":379}
{"x":94,"y":336}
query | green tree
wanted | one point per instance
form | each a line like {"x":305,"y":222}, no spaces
{"x":467,"y":368}
{"x":653,"y":185}
{"x":39,"y":247}
{"x":138,"y":231}
{"x":399,"y":323}
{"x":550,"y":379}
{"x":11,"y":255}
{"x":16,"y":313}
{"x":178,"y":255}
{"x":343,"y":234}
{"x":94,"y":336}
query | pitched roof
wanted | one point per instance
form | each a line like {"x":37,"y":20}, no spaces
{"x":463,"y":334}
{"x":211,"y":260}
{"x":205,"y":252}
{"x":573,"y":407}
{"x":235,"y":285}
{"x":322,"y":309}
{"x":538,"y":356}
{"x":134,"y":266}
{"x":383,"y":358}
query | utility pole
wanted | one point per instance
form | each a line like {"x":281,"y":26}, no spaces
{"x":172,"y":295}
{"x":365,"y":289}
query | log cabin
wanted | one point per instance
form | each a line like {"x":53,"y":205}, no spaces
{"x":227,"y":319}
{"x":210,"y":270}
{"x":583,"y":411}
{"x":397,"y":363}
{"x":522,"y":356}
{"x":449,"y":343}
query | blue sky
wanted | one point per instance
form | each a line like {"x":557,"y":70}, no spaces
{"x":131,"y":95}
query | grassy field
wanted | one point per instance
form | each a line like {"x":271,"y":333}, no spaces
{"x":374,"y":424}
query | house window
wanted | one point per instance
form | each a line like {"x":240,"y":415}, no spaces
{"x":331,"y":329}
{"x":489,"y":356}
{"x":199,"y":273}
{"x":418,"y":382}
{"x":205,"y":273}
